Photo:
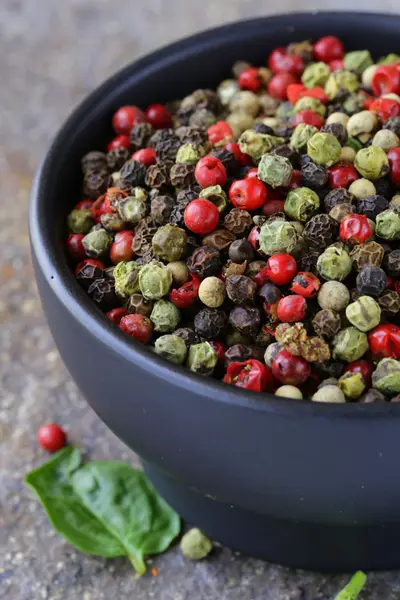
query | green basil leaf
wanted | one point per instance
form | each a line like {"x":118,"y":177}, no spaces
{"x":127,"y":505}
{"x":353,"y":588}
{"x":67,"y":514}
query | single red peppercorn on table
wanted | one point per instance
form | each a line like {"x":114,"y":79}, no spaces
{"x":51,"y":437}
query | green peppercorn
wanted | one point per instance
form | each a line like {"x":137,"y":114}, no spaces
{"x":388,"y":224}
{"x":329,"y":394}
{"x":165,"y":316}
{"x":289,"y":391}
{"x":132,"y":209}
{"x":246,"y":102}
{"x":80,"y":221}
{"x":386,"y":140}
{"x":308,"y":103}
{"x":256,"y":144}
{"x":171,"y":347}
{"x":216,"y":195}
{"x":227,"y":90}
{"x":97,"y":243}
{"x":357,"y":61}
{"x":364,"y":313}
{"x":352,"y":385}
{"x":361,"y":188}
{"x":324,"y":149}
{"x":275,"y":170}
{"x":301,"y":135}
{"x":195,"y":545}
{"x":335,"y":263}
{"x":301,"y":203}
{"x":333,"y":295}
{"x":349,"y":344}
{"x":212,"y":292}
{"x":372,"y":162}
{"x":389,"y":59}
{"x":315,"y":74}
{"x":126,"y":276}
{"x":169,"y":242}
{"x":190,"y":153}
{"x":155,"y":280}
{"x":202,"y":358}
{"x":277,"y":236}
{"x":386,"y":377}
{"x":239,"y":121}
{"x":341,"y":80}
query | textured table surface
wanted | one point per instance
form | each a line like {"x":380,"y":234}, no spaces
{"x":51,"y":55}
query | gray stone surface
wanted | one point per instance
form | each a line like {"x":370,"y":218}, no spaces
{"x":51,"y":54}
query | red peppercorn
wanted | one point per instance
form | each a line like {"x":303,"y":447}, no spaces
{"x":277,"y":87}
{"x":367,"y":99}
{"x":272,"y":207}
{"x":281,"y":268}
{"x":355,"y":229}
{"x":248,"y":194}
{"x":292,"y":308}
{"x":210,"y":171}
{"x":125,"y":118}
{"x":336,"y":65}
{"x":295,"y":180}
{"x":290,"y":369}
{"x":89,"y":261}
{"x":201,"y":216}
{"x":261,"y":277}
{"x":384,"y":341}
{"x":341,"y":175}
{"x":84,"y":205}
{"x":306,"y":285}
{"x":115,"y":314}
{"x":275,"y":58}
{"x":386,"y":80}
{"x":253,"y":173}
{"x":241,"y":157}
{"x":250,"y":79}
{"x":219,"y":348}
{"x":121,"y":141}
{"x":100,"y":208}
{"x":385,"y":108}
{"x":51,"y":437}
{"x":390,"y":283}
{"x":184,"y":296}
{"x":146,"y":156}
{"x":158,"y":116}
{"x":250,"y":375}
{"x":75,"y":248}
{"x":317,"y":92}
{"x":137,"y":326}
{"x":364,"y":367}
{"x":121,"y":249}
{"x":328,"y":48}
{"x":309,"y":118}
{"x":294,"y":92}
{"x":220,"y":133}
{"x":394,"y":162}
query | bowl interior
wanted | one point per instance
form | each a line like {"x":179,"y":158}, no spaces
{"x":200,"y":61}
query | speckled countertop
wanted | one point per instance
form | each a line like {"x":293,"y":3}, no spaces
{"x":51,"y":55}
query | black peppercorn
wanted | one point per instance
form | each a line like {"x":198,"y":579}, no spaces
{"x":241,"y":289}
{"x":139,"y":305}
{"x":270,"y":293}
{"x":259,"y":127}
{"x":102,"y":291}
{"x":238,"y":221}
{"x":161,"y":208}
{"x":246,"y":320}
{"x":286,"y":151}
{"x":157,"y":175}
{"x":196,"y":100}
{"x":326,"y":322}
{"x":389,"y":302}
{"x":320,"y":231}
{"x":369,"y":254}
{"x":94,"y":161}
{"x":95,"y":183}
{"x":308,"y":261}
{"x":132,"y":174}
{"x":372,"y":397}
{"x":338,"y":130}
{"x":313,"y":176}
{"x":338,"y":196}
{"x":188,"y":335}
{"x":241,"y":250}
{"x":204,"y":261}
{"x":167,"y":149}
{"x":144,"y":233}
{"x":393,"y":124}
{"x":227,"y":158}
{"x":237,"y":353}
{"x":371,"y":206}
{"x":392,"y":262}
{"x":182,"y":175}
{"x":117,"y":157}
{"x":285,"y":131}
{"x":210,"y":323}
{"x":191,"y":135}
{"x":160,"y":135}
{"x":88,"y":273}
{"x":255,"y":267}
{"x":326,"y":369}
{"x":140,"y":135}
{"x":219,"y":239}
{"x":383,"y":187}
{"x":371,"y":281}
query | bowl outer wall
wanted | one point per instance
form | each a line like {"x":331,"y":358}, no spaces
{"x":290,"y":460}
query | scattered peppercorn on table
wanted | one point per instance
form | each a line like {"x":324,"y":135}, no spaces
{"x":250,"y":233}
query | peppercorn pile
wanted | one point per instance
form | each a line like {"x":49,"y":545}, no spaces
{"x":251,"y":233}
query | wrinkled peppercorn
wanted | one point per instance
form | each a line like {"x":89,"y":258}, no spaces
{"x":320,"y":231}
{"x":102,"y":291}
{"x":241,"y":289}
{"x":94,"y":161}
{"x":87,"y":272}
{"x":140,"y":135}
{"x":371,"y":281}
{"x":161,"y":208}
{"x":308,"y":261}
{"x":188,"y":335}
{"x":144,"y":233}
{"x":210,"y":323}
{"x":191,"y":135}
{"x":219,"y":239}
{"x":313,"y":176}
{"x":204,"y":261}
{"x":326,"y":322}
{"x":338,"y":196}
{"x":238,"y":353}
{"x":338,"y":130}
{"x":389,"y":301}
{"x":157,"y":175}
{"x":244,"y":319}
{"x":392,"y":263}
{"x":182,"y":175}
{"x":227,"y":158}
{"x":116,"y":158}
{"x":133,"y":173}
{"x":95,"y":183}
{"x":136,"y":304}
{"x":371,"y":206}
{"x":287,"y":152}
{"x":238,"y":222}
{"x":369,"y":254}
{"x":340,"y":211}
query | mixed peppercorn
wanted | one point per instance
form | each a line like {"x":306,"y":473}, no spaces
{"x":250,"y":233}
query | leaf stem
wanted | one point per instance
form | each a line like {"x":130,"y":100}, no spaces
{"x":353,"y":588}
{"x":138,"y":564}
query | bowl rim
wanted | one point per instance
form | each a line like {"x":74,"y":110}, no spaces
{"x":76,"y":302}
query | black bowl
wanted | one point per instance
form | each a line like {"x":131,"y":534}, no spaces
{"x":306,"y":485}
